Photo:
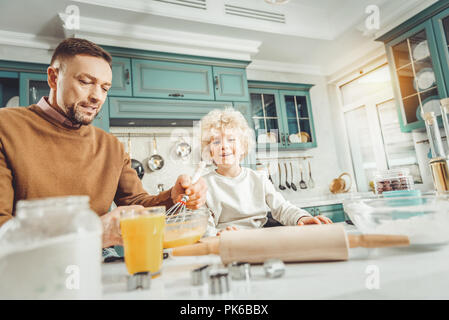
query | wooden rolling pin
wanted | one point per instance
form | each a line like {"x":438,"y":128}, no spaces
{"x":290,"y":244}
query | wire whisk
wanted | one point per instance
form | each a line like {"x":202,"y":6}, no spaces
{"x":177,"y":212}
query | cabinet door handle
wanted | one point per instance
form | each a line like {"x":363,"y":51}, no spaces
{"x":286,"y":139}
{"x":176,"y":95}
{"x":216,"y":82}
{"x":127,"y":76}
{"x":317,"y":211}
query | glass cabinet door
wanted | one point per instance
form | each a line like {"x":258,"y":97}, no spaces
{"x":298,"y":123}
{"x":441,"y":31}
{"x":9,"y":89}
{"x":266,"y":116}
{"x":417,"y":74}
{"x":33,"y":86}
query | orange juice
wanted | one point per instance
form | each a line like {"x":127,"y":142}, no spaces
{"x":143,"y":242}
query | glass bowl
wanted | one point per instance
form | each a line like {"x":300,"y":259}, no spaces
{"x":424,"y":219}
{"x":185,"y":228}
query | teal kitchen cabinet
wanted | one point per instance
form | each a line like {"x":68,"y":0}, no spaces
{"x":266,"y":115}
{"x":310,"y":210}
{"x":121,"y":77}
{"x":441,"y":29}
{"x":416,"y":75}
{"x":33,"y":86}
{"x":161,"y":109}
{"x":417,"y":54}
{"x":334,"y":212}
{"x":299,"y":132}
{"x":162,"y":79}
{"x":102,"y":118}
{"x":9,"y":86}
{"x":282,"y":115}
{"x":230,"y":84}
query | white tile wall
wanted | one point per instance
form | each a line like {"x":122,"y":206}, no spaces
{"x":166,"y":139}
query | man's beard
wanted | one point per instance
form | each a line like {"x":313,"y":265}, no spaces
{"x":76,"y":116}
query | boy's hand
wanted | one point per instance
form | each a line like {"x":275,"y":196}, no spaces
{"x":314,"y":220}
{"x":227,"y":229}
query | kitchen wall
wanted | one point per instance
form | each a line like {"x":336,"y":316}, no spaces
{"x":324,"y":164}
{"x":166,"y":139}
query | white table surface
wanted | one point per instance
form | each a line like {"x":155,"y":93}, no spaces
{"x":402,"y":273}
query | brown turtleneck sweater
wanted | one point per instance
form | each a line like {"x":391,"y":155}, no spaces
{"x":40,"y":157}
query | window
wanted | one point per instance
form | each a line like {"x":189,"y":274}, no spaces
{"x":375,"y":138}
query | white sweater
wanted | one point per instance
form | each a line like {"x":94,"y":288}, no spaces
{"x":245,"y":200}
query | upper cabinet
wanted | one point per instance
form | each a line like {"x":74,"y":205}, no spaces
{"x":282,"y":115}
{"x":413,"y":58}
{"x":417,"y":53}
{"x":230,"y":84}
{"x":297,"y":119}
{"x":33,"y":86}
{"x":121,"y":77}
{"x":441,"y":29}
{"x":161,"y":79}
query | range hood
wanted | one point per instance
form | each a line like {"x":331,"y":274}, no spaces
{"x":151,"y":122}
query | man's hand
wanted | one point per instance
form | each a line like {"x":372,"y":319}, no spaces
{"x":196,"y":192}
{"x":111,"y":226}
{"x":314,"y":220}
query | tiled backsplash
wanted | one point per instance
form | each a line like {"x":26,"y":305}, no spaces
{"x":167,"y":138}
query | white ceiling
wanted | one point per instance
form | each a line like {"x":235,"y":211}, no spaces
{"x":321,"y":36}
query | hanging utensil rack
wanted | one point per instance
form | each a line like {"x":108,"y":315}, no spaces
{"x":284,"y":158}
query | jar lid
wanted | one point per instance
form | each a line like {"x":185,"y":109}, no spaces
{"x":52,"y":201}
{"x":391,"y":172}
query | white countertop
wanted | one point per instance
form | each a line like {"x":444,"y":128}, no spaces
{"x":328,"y":199}
{"x":403,"y":273}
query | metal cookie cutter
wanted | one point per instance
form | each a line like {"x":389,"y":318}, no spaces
{"x":199,"y":275}
{"x":140,"y":280}
{"x":218,"y":281}
{"x":274,"y":268}
{"x":240,"y":270}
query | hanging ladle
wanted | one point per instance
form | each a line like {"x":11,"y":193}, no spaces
{"x":286,"y":176}
{"x":302,"y":183}
{"x":269,"y":173}
{"x":311,"y":182}
{"x":291,"y":172}
{"x":280,"y":177}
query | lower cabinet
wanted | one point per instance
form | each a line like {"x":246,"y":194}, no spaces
{"x":334,"y":212}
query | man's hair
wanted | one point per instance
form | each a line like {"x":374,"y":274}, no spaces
{"x":71,"y":47}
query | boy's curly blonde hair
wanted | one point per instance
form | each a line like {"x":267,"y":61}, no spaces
{"x":219,"y":120}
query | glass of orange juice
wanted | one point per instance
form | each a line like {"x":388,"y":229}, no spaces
{"x":143,"y":235}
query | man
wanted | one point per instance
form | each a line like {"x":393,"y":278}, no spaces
{"x":50,"y":149}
